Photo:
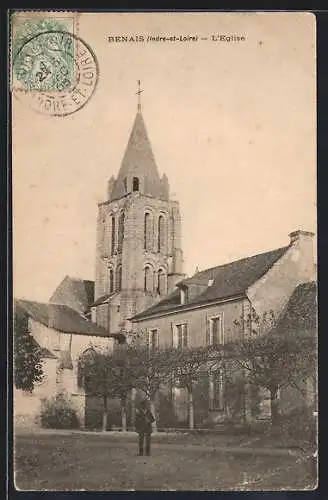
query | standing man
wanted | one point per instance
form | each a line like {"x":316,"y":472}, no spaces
{"x":144,"y":420}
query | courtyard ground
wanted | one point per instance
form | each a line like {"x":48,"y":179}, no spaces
{"x":79,"y":461}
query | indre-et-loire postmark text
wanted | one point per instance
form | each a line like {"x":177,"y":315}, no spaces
{"x":53,"y":70}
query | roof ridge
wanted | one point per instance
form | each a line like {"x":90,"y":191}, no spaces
{"x":237,"y":261}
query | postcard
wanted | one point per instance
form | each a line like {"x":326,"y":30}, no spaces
{"x":164,"y":250}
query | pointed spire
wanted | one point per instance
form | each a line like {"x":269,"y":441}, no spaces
{"x":138,"y":163}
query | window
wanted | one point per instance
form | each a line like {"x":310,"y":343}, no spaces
{"x":119,"y":278}
{"x":183,"y":295}
{"x":113,"y":235}
{"x":216,"y":390}
{"x":111,"y":281}
{"x":161,"y":234}
{"x":148,"y":231}
{"x":120,"y":232}
{"x":161,"y":282}
{"x":216,"y":330}
{"x":181,"y":340}
{"x":153,"y":339}
{"x":135,"y":184}
{"x":148,"y":279}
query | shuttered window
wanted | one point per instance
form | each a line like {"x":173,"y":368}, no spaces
{"x":181,"y":336}
{"x":153,"y":339}
{"x":216,"y":333}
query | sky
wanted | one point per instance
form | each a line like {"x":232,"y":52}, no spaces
{"x":233,"y":125}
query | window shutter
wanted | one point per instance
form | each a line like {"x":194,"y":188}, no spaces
{"x":172,"y":335}
{"x":207,"y":330}
{"x":186,"y":335}
{"x":221,"y":329}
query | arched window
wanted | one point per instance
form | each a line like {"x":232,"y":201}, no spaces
{"x":161,"y":234}
{"x":148,"y":279}
{"x":135,"y":184}
{"x":148,"y":233}
{"x":119,"y":278}
{"x":84,"y":369}
{"x":112,"y":248}
{"x":120,"y":232}
{"x":111,"y":281}
{"x":161,"y":282}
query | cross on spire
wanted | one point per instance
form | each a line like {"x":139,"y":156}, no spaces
{"x":138,"y":93}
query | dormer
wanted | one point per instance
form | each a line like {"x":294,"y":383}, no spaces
{"x":192,"y":289}
{"x":183,"y":295}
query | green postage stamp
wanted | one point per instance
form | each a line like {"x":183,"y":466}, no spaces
{"x":52,"y":69}
{"x":43,"y":56}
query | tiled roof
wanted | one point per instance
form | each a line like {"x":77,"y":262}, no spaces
{"x":103,"y":299}
{"x":61,"y":318}
{"x":75,"y":293}
{"x":300,"y":314}
{"x":229,"y":280}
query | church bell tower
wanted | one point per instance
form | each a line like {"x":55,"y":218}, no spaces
{"x":138,"y":256}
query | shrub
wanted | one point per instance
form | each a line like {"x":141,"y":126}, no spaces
{"x":166,"y":415}
{"x":300,"y":424}
{"x":57,"y":413}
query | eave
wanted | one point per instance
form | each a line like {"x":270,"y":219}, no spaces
{"x":189,"y":307}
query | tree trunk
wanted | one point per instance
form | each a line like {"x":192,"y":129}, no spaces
{"x":247,"y":401}
{"x":274,"y":404}
{"x":153,"y":411}
{"x":123,"y":414}
{"x":133,"y":407}
{"x":190,"y":408}
{"x":105,"y":415}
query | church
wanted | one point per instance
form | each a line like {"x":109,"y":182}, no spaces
{"x":140,"y":285}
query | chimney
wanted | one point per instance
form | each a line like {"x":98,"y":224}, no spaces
{"x":300,"y":235}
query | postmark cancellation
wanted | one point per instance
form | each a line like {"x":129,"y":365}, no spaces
{"x":53,"y":70}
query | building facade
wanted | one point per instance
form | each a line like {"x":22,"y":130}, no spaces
{"x":213,"y":307}
{"x":63,"y":334}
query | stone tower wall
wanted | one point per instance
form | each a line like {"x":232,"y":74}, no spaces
{"x":133,"y":257}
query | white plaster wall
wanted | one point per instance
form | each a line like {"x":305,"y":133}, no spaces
{"x":45,"y":336}
{"x":274,"y":289}
{"x":27,"y":406}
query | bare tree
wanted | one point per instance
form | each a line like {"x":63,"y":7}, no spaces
{"x":152,"y":370}
{"x":108,"y":375}
{"x":188,"y":365}
{"x":271,"y":358}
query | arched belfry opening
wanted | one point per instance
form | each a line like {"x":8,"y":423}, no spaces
{"x":135,"y":184}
